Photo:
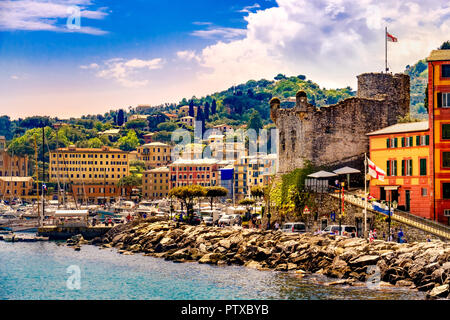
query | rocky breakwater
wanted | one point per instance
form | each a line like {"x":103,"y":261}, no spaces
{"x":423,"y":266}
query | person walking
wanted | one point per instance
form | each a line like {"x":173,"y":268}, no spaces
{"x":400,"y":235}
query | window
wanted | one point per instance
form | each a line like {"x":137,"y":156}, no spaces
{"x":424,"y":192}
{"x":407,"y":167}
{"x":445,"y":131}
{"x":446,"y":190}
{"x":423,"y":167}
{"x":446,"y":159}
{"x":443,"y":99}
{"x":446,"y":71}
{"x":391,"y":166}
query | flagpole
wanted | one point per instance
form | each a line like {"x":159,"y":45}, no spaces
{"x":365,"y":196}
{"x":385,"y":48}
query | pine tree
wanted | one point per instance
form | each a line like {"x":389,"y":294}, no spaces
{"x":120,"y":118}
{"x":206,"y":114}
{"x":191,"y":109}
{"x":213,"y":107}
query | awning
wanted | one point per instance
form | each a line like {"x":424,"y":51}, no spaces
{"x":322,"y":174}
{"x":71,"y":213}
{"x":346,"y":170}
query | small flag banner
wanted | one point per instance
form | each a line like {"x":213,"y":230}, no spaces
{"x":384,"y":209}
{"x":390,"y":37}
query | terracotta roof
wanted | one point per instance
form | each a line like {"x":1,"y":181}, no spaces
{"x":401,"y":128}
{"x":90,"y":150}
{"x":159,"y":169}
{"x":16,"y":179}
{"x":439,"y":55}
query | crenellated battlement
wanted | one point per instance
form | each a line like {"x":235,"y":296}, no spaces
{"x":337,"y":132}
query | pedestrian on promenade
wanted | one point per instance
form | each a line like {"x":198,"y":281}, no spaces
{"x":277,"y":226}
{"x":370,"y":236}
{"x":374,"y":233}
{"x":400,"y":235}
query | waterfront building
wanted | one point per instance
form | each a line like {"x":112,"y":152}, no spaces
{"x":92,"y":172}
{"x":402,"y":151}
{"x":15,"y":187}
{"x":240,"y":178}
{"x":156,"y":183}
{"x":416,"y":156}
{"x":155,"y":154}
{"x":260,"y":168}
{"x":204,"y":172}
{"x":10,"y":165}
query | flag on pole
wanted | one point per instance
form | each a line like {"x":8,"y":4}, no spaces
{"x":390,"y":37}
{"x":375,"y":171}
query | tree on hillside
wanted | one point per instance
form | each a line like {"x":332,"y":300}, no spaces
{"x":214,"y":107}
{"x":445,"y":45}
{"x":128,"y":142}
{"x":255,"y":121}
{"x":120,"y":118}
{"x":206,"y":112}
{"x":280,"y":76}
{"x":36,"y":122}
{"x":136,"y":124}
{"x":167,"y":126}
{"x":215,"y":192}
{"x":191,"y":109}
{"x":155,"y":119}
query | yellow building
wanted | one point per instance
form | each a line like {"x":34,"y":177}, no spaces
{"x":11,"y":165}
{"x":155,"y":154}
{"x":402,"y":151}
{"x":156,"y":183}
{"x":184,"y":111}
{"x":240,"y":178}
{"x":92,"y":172}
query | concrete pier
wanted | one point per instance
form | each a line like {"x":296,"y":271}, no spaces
{"x":63,"y":233}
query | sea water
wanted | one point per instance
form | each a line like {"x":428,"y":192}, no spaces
{"x":48,"y":270}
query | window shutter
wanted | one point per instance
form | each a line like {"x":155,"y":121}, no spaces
{"x":394,"y":165}
{"x":439,"y":99}
{"x":411,"y":141}
{"x":417,"y":140}
{"x":403,"y":142}
{"x":387,"y":143}
{"x":403,"y":167}
{"x":427,"y":140}
{"x":395,"y":142}
{"x":388,"y":171}
{"x":410,"y":168}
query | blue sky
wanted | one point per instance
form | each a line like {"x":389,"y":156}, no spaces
{"x":126,"y":53}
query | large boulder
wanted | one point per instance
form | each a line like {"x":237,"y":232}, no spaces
{"x":211,"y":258}
{"x":364,"y":261}
{"x":439,"y":292}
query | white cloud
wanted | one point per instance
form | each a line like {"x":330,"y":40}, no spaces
{"x":248,"y":9}
{"x":188,"y":55}
{"x":220,"y":33}
{"x":129,"y":73}
{"x":43,"y":15}
{"x":330,"y":41}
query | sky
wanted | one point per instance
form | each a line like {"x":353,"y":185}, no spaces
{"x":68,"y":58}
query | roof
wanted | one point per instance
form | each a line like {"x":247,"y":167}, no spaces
{"x":88,"y":150}
{"x":16,"y":179}
{"x":110,"y":131}
{"x":439,"y":55}
{"x":149,"y":134}
{"x":401,"y":128}
{"x":155,"y":144}
{"x":346,"y":170}
{"x":322,"y":174}
{"x":159,"y":169}
{"x":187,"y":117}
{"x":195,"y":161}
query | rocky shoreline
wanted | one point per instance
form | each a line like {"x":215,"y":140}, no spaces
{"x":424,"y":266}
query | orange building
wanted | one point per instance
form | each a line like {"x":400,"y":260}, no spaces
{"x":15,"y":187}
{"x":439,"y":118}
{"x":416,"y":156}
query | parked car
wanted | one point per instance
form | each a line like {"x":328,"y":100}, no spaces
{"x":226,"y":220}
{"x":208,"y":221}
{"x":349,"y":231}
{"x":196,"y":220}
{"x":298,"y":227}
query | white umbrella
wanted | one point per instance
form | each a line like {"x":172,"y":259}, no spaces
{"x":347,"y":171}
{"x":322,"y":174}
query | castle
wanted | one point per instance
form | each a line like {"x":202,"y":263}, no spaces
{"x":335,"y":135}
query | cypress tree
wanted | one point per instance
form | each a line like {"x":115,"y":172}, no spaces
{"x":191,"y":109}
{"x":213,"y":107}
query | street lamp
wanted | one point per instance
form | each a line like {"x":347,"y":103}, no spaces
{"x":341,"y":207}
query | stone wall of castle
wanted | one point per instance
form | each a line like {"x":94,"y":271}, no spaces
{"x":335,"y":135}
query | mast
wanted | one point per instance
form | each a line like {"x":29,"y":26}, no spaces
{"x":10,"y":177}
{"x":57,"y":166}
{"x":385,"y":49}
{"x":37,"y":174}
{"x":43,"y":173}
{"x":365,"y":196}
